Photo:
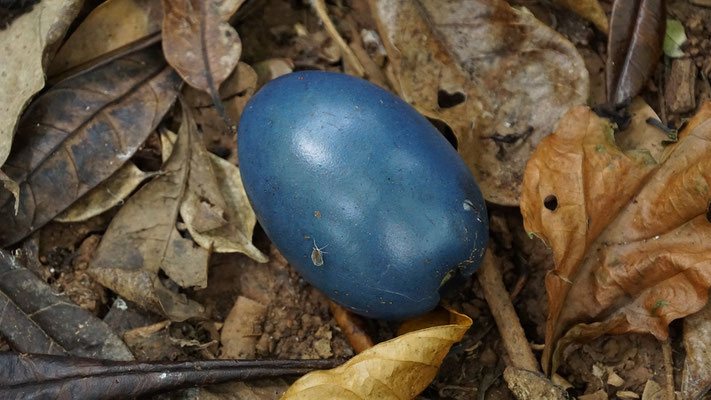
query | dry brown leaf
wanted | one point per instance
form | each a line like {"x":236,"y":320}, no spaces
{"x":242,"y":329}
{"x":12,"y":187}
{"x":26,"y":46}
{"x":634,"y":47}
{"x":80,"y":132}
{"x":199,"y":42}
{"x":234,"y":92}
{"x":109,"y":26}
{"x":696,"y":376}
{"x":590,"y":10}
{"x":215,"y":208}
{"x":630,"y":236}
{"x":142,"y":239}
{"x":532,"y":385}
{"x":108,"y":194}
{"x":400,"y":368}
{"x":497,"y":76}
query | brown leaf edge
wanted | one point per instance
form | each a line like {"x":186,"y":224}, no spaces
{"x":575,"y":244}
{"x":635,"y":44}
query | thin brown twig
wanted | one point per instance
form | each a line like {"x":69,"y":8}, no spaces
{"x":348,"y":56}
{"x":352,"y":327}
{"x":668,"y":368}
{"x":504,"y":313}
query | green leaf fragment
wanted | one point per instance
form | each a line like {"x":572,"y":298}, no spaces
{"x":674,"y":38}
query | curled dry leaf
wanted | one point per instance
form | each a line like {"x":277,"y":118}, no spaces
{"x":696,"y":376}
{"x":79,"y":133}
{"x":142,"y":239}
{"x":590,"y":10}
{"x":630,"y":235}
{"x":215,"y":208}
{"x":109,"y":26}
{"x":633,"y":49}
{"x":35,"y":319}
{"x":397,"y":369}
{"x":26,"y":46}
{"x":497,"y":76}
{"x":108,"y":194}
{"x":199,"y":42}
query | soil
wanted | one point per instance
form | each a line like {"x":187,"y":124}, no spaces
{"x":297,"y":322}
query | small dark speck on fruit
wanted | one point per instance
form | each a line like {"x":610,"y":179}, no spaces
{"x":317,"y":214}
{"x":427,"y":260}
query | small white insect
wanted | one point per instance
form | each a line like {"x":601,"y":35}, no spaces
{"x":317,"y":254}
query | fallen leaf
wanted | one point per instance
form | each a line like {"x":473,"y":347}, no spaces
{"x":235,"y":235}
{"x":590,"y":10}
{"x":234,"y":93}
{"x":674,"y":38}
{"x":487,"y":70}
{"x":35,"y":319}
{"x":400,"y":368}
{"x":696,"y":376}
{"x":29,"y":376}
{"x":79,"y":133}
{"x":215,"y":208}
{"x":142,"y":239}
{"x":653,"y":391}
{"x":272,"y":68}
{"x":630,"y":235}
{"x":242,"y":328}
{"x":106,"y":195}
{"x":199,"y":42}
{"x":532,"y":385}
{"x":634,"y":46}
{"x":27,"y":44}
{"x":12,"y":187}
{"x":109,"y":26}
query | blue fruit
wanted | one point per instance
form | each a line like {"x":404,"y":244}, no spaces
{"x":360,"y":193}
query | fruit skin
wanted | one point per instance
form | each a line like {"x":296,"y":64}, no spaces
{"x":341,"y":171}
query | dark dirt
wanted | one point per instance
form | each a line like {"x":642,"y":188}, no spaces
{"x":298,"y":323}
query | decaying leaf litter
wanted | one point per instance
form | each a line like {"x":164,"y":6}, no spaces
{"x":282,"y":316}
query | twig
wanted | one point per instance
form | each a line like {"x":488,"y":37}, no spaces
{"x":503,"y":311}
{"x":352,"y":327}
{"x":668,"y":368}
{"x":349,"y":57}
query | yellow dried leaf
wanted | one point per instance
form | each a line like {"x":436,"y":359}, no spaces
{"x":108,"y":194}
{"x":590,"y":10}
{"x":400,"y":368}
{"x":631,"y":235}
{"x":109,"y":26}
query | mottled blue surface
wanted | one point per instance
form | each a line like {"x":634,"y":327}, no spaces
{"x":330,"y":158}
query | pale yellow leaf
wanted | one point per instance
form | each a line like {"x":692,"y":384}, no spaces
{"x":590,"y":10}
{"x":109,"y":26}
{"x":399,"y":369}
{"x":108,"y":194}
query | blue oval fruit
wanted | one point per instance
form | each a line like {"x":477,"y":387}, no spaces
{"x":360,"y":193}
